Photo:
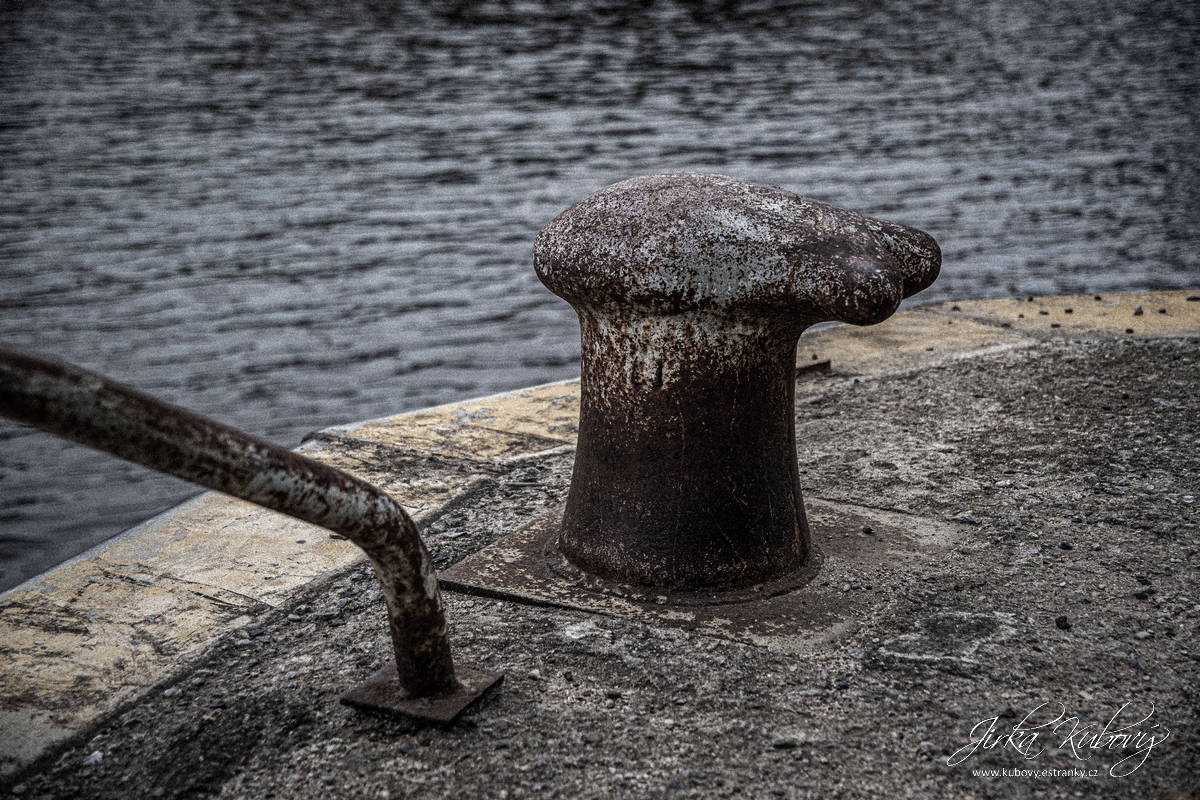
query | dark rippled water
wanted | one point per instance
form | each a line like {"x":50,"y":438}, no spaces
{"x":289,"y":215}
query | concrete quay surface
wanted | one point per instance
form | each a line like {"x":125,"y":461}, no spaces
{"x":1026,"y":600}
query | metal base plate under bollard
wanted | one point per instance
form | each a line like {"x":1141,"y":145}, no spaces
{"x":381,"y":693}
{"x":526,"y":567}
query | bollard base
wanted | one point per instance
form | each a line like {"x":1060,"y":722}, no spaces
{"x":381,"y":693}
{"x":526,"y":567}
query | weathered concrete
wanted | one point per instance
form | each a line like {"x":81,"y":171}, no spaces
{"x":202,"y":653}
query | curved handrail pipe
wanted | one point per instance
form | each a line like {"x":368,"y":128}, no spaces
{"x":80,"y":405}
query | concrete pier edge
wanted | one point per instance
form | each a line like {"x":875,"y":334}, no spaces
{"x":89,"y":637}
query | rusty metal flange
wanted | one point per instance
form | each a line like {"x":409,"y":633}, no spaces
{"x":383,"y":694}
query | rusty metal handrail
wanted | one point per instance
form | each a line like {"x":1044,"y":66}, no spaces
{"x":85,"y":407}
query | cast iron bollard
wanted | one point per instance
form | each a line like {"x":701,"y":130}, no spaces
{"x":84,"y":407}
{"x":692,"y":291}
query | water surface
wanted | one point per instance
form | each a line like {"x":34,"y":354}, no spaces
{"x":291,"y":215}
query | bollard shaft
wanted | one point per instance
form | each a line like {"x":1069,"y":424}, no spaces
{"x":685,"y":471}
{"x":84,"y":407}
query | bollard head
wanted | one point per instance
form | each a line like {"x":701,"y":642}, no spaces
{"x":691,"y":292}
{"x":685,"y":242}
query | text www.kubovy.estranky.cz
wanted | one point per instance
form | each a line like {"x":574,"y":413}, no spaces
{"x":1035,"y":773}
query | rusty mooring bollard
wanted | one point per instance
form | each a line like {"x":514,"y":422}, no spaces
{"x":84,"y":407}
{"x":692,"y":291}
